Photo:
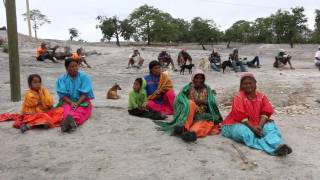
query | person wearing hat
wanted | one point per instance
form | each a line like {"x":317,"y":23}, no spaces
{"x":43,"y":54}
{"x":183,"y":57}
{"x":159,"y":90}
{"x":234,"y":58}
{"x":282,"y":59}
{"x":317,"y":58}
{"x":135,"y":58}
{"x":165,"y":59}
{"x":249,"y":120}
{"x":196,"y":113}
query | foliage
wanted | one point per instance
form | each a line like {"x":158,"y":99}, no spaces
{"x":38,"y":19}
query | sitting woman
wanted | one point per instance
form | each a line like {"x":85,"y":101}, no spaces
{"x":159,"y":90}
{"x":75,"y":92}
{"x":195,"y":111}
{"x":37,"y":107}
{"x":249,"y":120}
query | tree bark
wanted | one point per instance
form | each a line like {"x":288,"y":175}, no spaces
{"x":117,"y":37}
{"x":13,"y":50}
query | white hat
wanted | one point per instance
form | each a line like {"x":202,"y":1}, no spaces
{"x":282,"y":50}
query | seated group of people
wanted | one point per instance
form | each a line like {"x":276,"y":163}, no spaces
{"x":196,"y":114}
{"x":164,"y":58}
{"x":73,"y":109}
{"x":233,"y":62}
{"x":43,"y":53}
{"x":195,"y":110}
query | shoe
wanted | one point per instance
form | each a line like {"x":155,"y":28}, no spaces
{"x":64,"y":126}
{"x":177,"y":130}
{"x":283,"y":150}
{"x":24,"y":128}
{"x":68,"y":124}
{"x":189,"y":136}
{"x":71,"y":122}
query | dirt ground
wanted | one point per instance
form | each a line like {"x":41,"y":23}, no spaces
{"x":114,"y":145}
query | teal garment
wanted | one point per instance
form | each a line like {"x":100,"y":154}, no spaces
{"x":181,"y":110}
{"x":138,"y":99}
{"x":241,"y":133}
{"x":73,"y":88}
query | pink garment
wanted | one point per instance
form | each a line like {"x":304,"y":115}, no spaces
{"x":80,"y":115}
{"x":167,"y":106}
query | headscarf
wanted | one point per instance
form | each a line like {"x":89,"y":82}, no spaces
{"x":196,"y":72}
{"x":245,"y":76}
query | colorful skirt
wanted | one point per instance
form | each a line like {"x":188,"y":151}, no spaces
{"x":167,"y":105}
{"x":80,"y":115}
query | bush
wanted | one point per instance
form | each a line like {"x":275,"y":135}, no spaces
{"x":2,"y":41}
{"x":5,"y":48}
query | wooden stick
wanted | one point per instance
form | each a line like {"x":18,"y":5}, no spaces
{"x":242,"y":156}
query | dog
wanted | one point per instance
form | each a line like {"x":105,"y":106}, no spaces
{"x":186,"y":66}
{"x":226,"y":64}
{"x":112,"y":93}
{"x":204,"y":64}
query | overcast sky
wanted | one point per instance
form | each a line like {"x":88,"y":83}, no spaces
{"x":81,"y":14}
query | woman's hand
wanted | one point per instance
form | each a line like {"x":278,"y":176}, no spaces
{"x":257,"y":130}
{"x":74,"y":105}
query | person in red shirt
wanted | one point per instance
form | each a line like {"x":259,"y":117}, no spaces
{"x":43,"y":54}
{"x":249,"y":120}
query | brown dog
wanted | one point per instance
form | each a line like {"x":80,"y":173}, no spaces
{"x":112,"y":93}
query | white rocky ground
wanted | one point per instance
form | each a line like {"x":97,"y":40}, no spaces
{"x":114,"y":145}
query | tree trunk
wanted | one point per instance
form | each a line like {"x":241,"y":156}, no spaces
{"x":228,"y":45}
{"x":148,"y":38}
{"x":35,"y":33}
{"x":117,"y":37}
{"x":203,"y":48}
{"x":291,"y":44}
{"x":14,"y":65}
{"x":35,"y":30}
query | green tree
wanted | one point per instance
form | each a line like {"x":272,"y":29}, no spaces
{"x":290,"y":27}
{"x":316,"y":33}
{"x":238,"y":32}
{"x":261,"y":30}
{"x":73,"y":33}
{"x":183,"y":30}
{"x":204,"y":31}
{"x":113,"y":27}
{"x":143,"y":20}
{"x":38,"y":19}
{"x":297,"y":26}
